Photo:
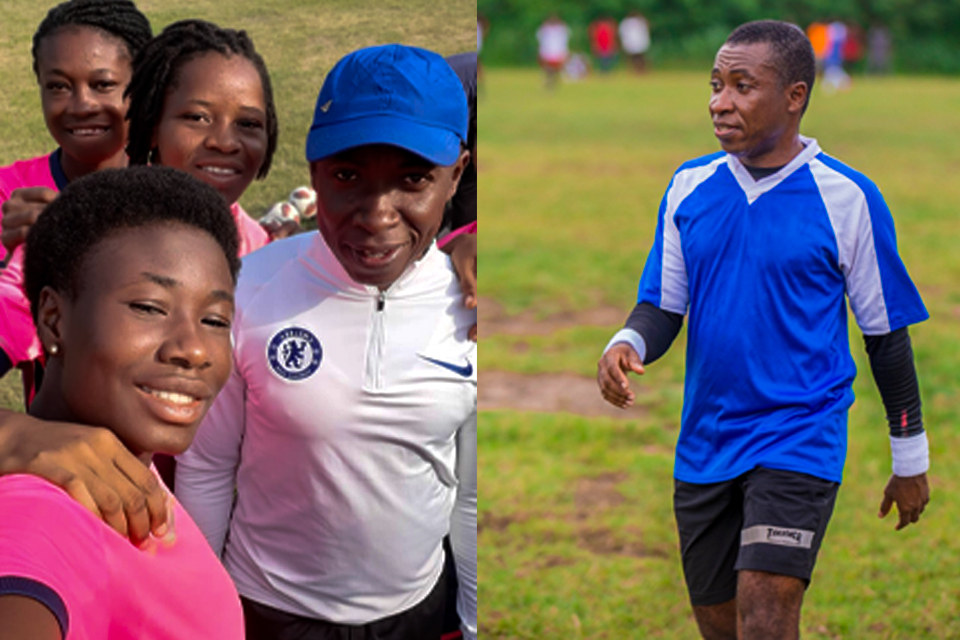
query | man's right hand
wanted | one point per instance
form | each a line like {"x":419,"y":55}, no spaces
{"x":612,"y":371}
{"x":91,"y":465}
{"x":20,"y":211}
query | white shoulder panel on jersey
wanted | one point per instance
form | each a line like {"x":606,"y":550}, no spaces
{"x":846,"y":205}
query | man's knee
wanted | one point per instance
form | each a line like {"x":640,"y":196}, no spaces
{"x":768,"y":605}
{"x":717,"y":622}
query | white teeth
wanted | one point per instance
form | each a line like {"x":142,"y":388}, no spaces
{"x":88,"y":132}
{"x":220,"y":171}
{"x":366,"y":253}
{"x":170,"y":396}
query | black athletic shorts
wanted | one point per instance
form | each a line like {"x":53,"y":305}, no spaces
{"x":765,"y":520}
{"x":424,"y":620}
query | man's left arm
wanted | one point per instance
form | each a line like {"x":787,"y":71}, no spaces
{"x":892,"y":365}
{"x":463,"y":526}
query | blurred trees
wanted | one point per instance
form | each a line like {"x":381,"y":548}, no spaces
{"x":926,"y":33}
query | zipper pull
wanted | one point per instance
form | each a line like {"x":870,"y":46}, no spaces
{"x":381,"y":301}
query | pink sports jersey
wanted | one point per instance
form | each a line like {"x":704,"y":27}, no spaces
{"x":109,"y":588}
{"x":24,"y":173}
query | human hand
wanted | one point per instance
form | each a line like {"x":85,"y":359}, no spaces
{"x":911,"y":496}
{"x":93,"y":467}
{"x":20,"y":211}
{"x":279,"y":229}
{"x":612,"y":371}
{"x":463,"y":255}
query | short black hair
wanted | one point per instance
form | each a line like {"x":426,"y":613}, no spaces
{"x":102,"y":203}
{"x":789,"y":46}
{"x":118,"y":18}
{"x":156,"y":70}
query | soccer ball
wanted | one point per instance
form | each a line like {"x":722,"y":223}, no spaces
{"x":305,"y":200}
{"x":279,"y":212}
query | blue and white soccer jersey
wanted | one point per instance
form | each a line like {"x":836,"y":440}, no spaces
{"x":762,"y":268}
{"x":349,"y":430}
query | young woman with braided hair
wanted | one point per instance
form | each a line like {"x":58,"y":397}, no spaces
{"x":83,"y":54}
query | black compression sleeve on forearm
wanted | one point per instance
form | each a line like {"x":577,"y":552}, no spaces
{"x":891,"y":361}
{"x":657,"y":327}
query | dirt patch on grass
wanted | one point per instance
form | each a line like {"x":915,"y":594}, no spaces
{"x":598,"y":493}
{"x":627,"y":542}
{"x":548,"y":393}
{"x":493,"y":320}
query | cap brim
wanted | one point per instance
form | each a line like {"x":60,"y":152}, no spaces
{"x":439,"y":146}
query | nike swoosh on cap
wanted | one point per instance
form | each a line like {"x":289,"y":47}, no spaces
{"x":462,"y":370}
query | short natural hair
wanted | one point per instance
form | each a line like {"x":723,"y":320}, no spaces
{"x":105,"y":202}
{"x":790,"y":49}
{"x":118,"y":18}
{"x":157,"y":70}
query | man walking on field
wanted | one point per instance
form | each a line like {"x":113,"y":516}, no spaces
{"x":758,"y":245}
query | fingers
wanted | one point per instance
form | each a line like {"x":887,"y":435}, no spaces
{"x":96,"y":470}
{"x":468,"y":284}
{"x":472,"y":334}
{"x":885,"y":505}
{"x":611,"y":379}
{"x":21,"y":211}
{"x":145,"y":500}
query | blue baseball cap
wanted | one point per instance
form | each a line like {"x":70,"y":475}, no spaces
{"x":391,"y":94}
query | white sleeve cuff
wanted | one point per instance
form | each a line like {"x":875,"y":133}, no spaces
{"x":632,"y":338}
{"x":911,"y":456}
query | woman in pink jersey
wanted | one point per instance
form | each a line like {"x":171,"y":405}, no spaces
{"x":83,"y":55}
{"x":201,"y":101}
{"x":130,"y":275}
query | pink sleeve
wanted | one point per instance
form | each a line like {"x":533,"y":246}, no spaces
{"x":252,"y":235}
{"x":469,"y":228}
{"x":48,"y":538}
{"x":18,"y":336}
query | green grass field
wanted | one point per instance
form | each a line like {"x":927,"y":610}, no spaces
{"x":576,"y":528}
{"x":300,"y":40}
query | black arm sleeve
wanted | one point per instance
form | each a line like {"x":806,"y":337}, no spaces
{"x":657,"y":327}
{"x":891,"y":361}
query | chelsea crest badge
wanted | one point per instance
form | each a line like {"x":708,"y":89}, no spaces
{"x":294,"y":353}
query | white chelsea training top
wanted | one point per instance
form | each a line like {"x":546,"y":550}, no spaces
{"x":348,"y":429}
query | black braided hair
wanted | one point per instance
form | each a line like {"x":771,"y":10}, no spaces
{"x":118,"y":18}
{"x":157,"y":68}
{"x":105,"y":202}
{"x":791,"y":51}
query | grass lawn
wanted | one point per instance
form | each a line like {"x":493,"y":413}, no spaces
{"x":576,"y":528}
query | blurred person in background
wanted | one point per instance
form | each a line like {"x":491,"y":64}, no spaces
{"x":879,"y":49}
{"x":553,"y":38}
{"x":603,"y":42}
{"x":635,"y":40}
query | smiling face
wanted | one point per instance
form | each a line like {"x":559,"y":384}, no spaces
{"x":213,"y":124}
{"x":754,"y":116}
{"x":145,"y":344}
{"x":82,"y":73}
{"x":379,"y":207}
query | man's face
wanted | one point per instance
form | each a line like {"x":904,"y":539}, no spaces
{"x":754,"y":116}
{"x":379,"y":207}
